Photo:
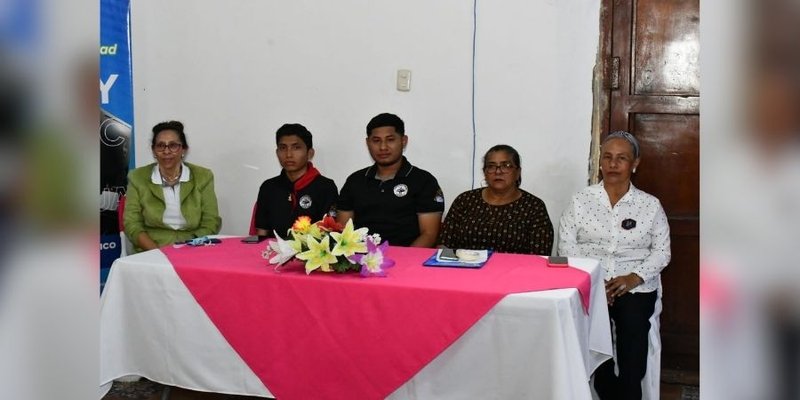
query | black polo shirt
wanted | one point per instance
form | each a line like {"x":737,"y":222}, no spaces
{"x":277,"y":211}
{"x":390,"y":207}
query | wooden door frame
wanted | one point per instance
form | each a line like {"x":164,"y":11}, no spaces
{"x":601,"y":91}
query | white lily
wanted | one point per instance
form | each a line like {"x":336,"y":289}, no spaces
{"x":284,"y":250}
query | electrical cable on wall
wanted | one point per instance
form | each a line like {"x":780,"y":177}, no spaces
{"x":474,"y":131}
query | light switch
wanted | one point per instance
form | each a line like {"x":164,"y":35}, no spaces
{"x":404,"y":80}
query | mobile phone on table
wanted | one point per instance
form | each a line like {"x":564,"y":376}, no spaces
{"x":253,"y":239}
{"x":556,"y":261}
{"x":448,"y":254}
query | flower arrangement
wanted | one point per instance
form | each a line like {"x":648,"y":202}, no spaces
{"x":330,"y":247}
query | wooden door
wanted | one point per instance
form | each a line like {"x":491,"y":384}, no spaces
{"x":651,"y":83}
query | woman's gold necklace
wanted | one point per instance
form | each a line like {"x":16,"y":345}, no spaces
{"x":171,"y":180}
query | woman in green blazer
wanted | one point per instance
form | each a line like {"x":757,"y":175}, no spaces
{"x":170,"y":200}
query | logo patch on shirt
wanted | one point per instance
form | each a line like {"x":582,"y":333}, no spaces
{"x":628,"y":224}
{"x":400,"y":190}
{"x":439,"y":198}
{"x":305,"y":201}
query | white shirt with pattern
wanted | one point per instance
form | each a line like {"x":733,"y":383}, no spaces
{"x":591,"y":227}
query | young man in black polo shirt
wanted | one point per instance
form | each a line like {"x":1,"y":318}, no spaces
{"x":298,"y":190}
{"x":401,"y":202}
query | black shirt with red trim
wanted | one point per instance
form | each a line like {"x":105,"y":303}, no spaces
{"x":277,"y":209}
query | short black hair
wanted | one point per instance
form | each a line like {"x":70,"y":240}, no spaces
{"x":386,"y":119}
{"x":176,"y":126}
{"x":295,"y":130}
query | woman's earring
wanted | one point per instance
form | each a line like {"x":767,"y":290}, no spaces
{"x":634,"y":170}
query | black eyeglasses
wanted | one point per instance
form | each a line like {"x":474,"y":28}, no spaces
{"x":503,"y":167}
{"x":173,"y":147}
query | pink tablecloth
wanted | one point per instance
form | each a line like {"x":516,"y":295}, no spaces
{"x":331,"y":336}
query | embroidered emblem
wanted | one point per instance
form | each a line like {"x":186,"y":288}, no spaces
{"x":305,"y":201}
{"x":628,"y":224}
{"x":439,"y":198}
{"x":400,"y":190}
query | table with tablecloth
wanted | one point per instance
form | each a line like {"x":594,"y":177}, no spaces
{"x":157,"y":323}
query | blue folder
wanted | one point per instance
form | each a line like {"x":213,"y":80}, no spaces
{"x":433,"y":262}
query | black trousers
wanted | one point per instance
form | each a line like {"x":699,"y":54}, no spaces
{"x":631,"y":314}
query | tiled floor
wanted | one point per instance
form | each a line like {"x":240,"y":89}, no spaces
{"x":146,"y":390}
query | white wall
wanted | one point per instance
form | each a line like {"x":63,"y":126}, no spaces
{"x":234,"y":71}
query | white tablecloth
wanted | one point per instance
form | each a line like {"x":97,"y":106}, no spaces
{"x":538,"y":345}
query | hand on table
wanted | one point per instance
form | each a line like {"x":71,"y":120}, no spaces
{"x":620,"y":285}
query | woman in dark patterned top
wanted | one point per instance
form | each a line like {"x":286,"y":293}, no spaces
{"x":500,"y":216}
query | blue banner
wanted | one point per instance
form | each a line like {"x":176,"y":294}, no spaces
{"x":116,"y":122}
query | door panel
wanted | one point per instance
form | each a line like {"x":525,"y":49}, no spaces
{"x":667,"y":48}
{"x":670,"y":145}
{"x":652,"y":83}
